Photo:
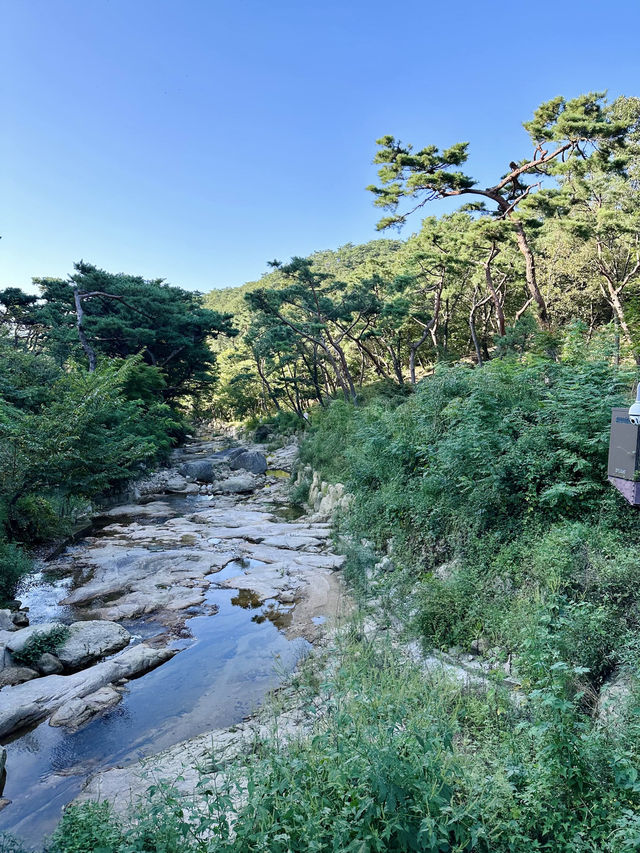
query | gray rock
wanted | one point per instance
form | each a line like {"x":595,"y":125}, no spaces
{"x":88,"y":641}
{"x":19,"y":639}
{"x":48,"y":664}
{"x":27,"y":703}
{"x":237,"y":485}
{"x":13,"y":675}
{"x":76,"y":712}
{"x":250,"y":460}
{"x":6,"y":621}
{"x":479,"y":646}
{"x":203,"y":470}
{"x":20,"y":619}
{"x":615,"y":697}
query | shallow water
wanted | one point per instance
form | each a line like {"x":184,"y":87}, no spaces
{"x":236,"y":654}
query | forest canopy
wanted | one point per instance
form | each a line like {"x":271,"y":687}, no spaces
{"x":554,"y":241}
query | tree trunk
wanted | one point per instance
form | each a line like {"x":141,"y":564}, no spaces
{"x":530,"y":268}
{"x":86,"y":346}
{"x":494,"y":293}
{"x":474,"y":335}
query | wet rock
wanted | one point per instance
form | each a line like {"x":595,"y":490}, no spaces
{"x":17,"y":642}
{"x":34,"y":700}
{"x":4,"y":802}
{"x":48,"y":664}
{"x":250,"y":460}
{"x":91,"y":640}
{"x":77,"y":712}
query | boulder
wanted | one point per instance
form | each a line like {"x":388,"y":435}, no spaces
{"x":48,"y":664}
{"x":6,"y":621}
{"x":237,"y":485}
{"x":479,"y":646}
{"x":250,"y":460}
{"x":76,"y":712}
{"x":20,"y":619}
{"x":88,"y":641}
{"x":204,"y":471}
{"x":19,"y":639}
{"x":12,"y":675}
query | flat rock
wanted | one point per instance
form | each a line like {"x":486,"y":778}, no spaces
{"x":91,"y":640}
{"x":242,"y":484}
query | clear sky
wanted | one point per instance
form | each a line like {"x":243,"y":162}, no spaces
{"x":194,"y":140}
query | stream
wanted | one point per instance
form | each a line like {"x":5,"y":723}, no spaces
{"x":234,"y":646}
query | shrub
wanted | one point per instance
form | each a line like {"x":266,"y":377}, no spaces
{"x":39,"y":643}
{"x":14,"y":565}
{"x":87,"y":827}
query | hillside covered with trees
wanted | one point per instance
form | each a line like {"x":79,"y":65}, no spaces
{"x":553,"y":242}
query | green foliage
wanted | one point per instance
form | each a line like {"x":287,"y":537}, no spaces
{"x":14,"y":565}
{"x":91,"y":826}
{"x":282,"y":423}
{"x":10,"y":844}
{"x":41,"y":642}
{"x":126,"y":315}
{"x":35,"y":519}
{"x":492,"y":485}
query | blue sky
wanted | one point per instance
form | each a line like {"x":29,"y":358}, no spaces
{"x":194,"y":140}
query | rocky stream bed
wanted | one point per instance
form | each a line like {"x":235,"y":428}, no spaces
{"x":174,"y":619}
